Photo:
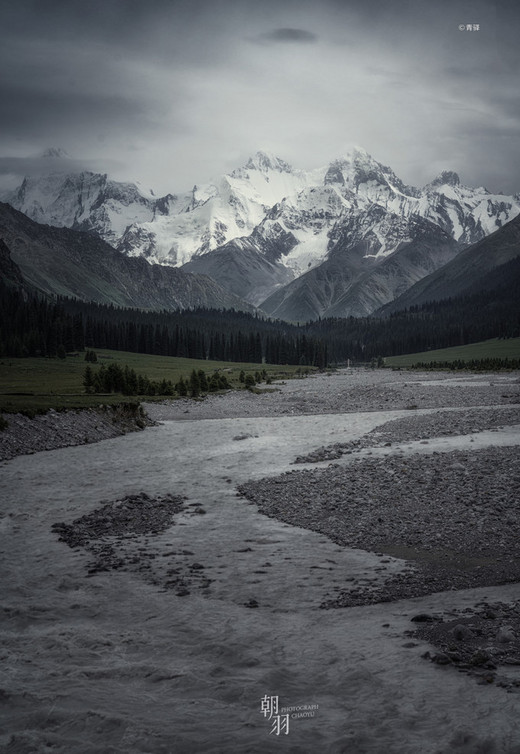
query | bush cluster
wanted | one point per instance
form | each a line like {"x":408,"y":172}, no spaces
{"x":116,"y":379}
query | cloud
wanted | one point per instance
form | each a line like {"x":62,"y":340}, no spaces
{"x":280,"y":36}
{"x":178,"y":91}
{"x":42,"y":114}
{"x":43,"y":165}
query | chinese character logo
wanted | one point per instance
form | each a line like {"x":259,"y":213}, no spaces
{"x":269,"y":706}
{"x":269,"y":709}
{"x":280,"y":725}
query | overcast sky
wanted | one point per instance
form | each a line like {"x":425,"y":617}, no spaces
{"x":174,"y":92}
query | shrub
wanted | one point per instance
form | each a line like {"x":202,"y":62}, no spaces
{"x":181,"y":387}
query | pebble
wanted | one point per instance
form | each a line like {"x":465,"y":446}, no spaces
{"x":444,"y":521}
{"x":122,"y":535}
{"x":60,"y":429}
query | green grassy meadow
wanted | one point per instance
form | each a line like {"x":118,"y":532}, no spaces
{"x":495,"y":348}
{"x":36,"y":384}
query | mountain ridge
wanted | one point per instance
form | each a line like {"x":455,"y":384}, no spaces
{"x":173,"y":228}
{"x":262,"y":227}
{"x":465,"y":272}
{"x":61,"y":261}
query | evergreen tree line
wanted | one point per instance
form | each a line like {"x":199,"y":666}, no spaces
{"x":31,"y":325}
{"x":439,"y":324}
{"x":473,"y":365}
{"x":34,"y":326}
{"x":117,"y":379}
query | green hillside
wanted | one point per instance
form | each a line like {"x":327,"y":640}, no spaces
{"x":496,"y":348}
{"x":40,"y":384}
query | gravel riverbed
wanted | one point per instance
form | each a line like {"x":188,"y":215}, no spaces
{"x":421,"y":427}
{"x":455,"y":516}
{"x":158,"y":585}
{"x":59,"y":429}
{"x":350,"y":391}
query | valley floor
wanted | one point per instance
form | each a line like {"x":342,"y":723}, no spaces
{"x":347,"y":545}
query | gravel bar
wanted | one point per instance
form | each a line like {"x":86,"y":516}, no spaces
{"x":421,"y":427}
{"x":455,"y":516}
{"x":60,"y":429}
{"x":348,"y":391}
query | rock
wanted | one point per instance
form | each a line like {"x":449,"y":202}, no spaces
{"x":505,"y":635}
{"x":487,"y":678}
{"x":479,"y":658}
{"x":462,"y":632}
{"x":441,"y":658}
{"x":422,"y":618}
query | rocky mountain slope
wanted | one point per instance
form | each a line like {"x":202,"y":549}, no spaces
{"x":10,"y":273}
{"x":71,"y":263}
{"x":472,"y":270}
{"x":354,"y":282}
{"x":300,"y":244}
{"x":168,"y":229}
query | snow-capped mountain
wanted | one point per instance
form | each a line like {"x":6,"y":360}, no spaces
{"x":356,"y":279}
{"x":478,"y":266}
{"x":84,"y":201}
{"x":166,"y":230}
{"x":174,"y":228}
{"x":211,"y":215}
{"x":266,"y":225}
{"x":65,"y":262}
{"x":337,"y":234}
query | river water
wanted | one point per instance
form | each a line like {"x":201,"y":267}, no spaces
{"x":113,"y":663}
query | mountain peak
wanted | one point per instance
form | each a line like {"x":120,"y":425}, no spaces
{"x":354,"y":154}
{"x":357,"y":166}
{"x":356,"y":159}
{"x":265,"y":161}
{"x":447,"y":177}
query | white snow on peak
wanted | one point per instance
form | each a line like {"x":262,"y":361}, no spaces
{"x":351,"y":151}
{"x":446,"y":178}
{"x":265,"y":190}
{"x":266,"y":161}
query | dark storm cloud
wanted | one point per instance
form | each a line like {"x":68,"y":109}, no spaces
{"x":180,"y":31}
{"x":36,"y":114}
{"x":40,"y":165}
{"x":176,"y":91}
{"x":287,"y":35}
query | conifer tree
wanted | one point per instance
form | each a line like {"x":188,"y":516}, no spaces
{"x":203,"y":381}
{"x":88,"y":379}
{"x":181,"y":388}
{"x":194,"y":384}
